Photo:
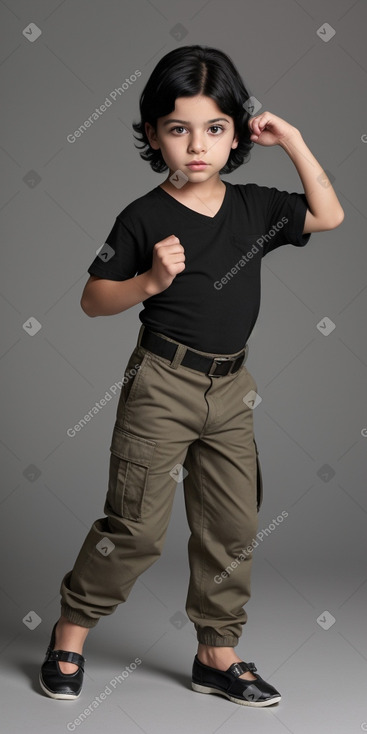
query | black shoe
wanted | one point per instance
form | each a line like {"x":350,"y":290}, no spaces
{"x":227,"y":683}
{"x":55,"y":683}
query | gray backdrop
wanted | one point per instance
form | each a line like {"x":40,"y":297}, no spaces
{"x":306,"y":62}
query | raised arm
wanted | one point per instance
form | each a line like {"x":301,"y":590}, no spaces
{"x":324,"y":209}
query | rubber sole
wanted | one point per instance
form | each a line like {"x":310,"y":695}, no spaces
{"x":59,"y":696}
{"x":208,"y":689}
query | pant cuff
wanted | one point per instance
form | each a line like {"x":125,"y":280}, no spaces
{"x":77,"y":617}
{"x":216,"y":641}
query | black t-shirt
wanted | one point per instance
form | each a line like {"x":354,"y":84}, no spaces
{"x":213,"y":304}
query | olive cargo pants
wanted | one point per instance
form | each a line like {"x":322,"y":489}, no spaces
{"x":170,"y":415}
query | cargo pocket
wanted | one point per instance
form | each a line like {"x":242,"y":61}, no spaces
{"x":130,"y":461}
{"x":259,"y":480}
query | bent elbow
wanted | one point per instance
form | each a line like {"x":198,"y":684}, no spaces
{"x":331,"y":223}
{"x":85,"y":306}
{"x":338,"y":221}
{"x":342,"y":217}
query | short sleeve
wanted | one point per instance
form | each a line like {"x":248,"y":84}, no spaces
{"x":118,"y":259}
{"x":285,"y":218}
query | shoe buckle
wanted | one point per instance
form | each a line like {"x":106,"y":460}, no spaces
{"x":242,"y":667}
{"x":236,"y":670}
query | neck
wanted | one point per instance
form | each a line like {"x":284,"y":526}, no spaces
{"x":206,"y":189}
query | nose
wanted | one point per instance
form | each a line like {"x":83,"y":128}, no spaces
{"x":196,"y":143}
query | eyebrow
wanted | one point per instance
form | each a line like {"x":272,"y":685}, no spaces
{"x":185,"y":122}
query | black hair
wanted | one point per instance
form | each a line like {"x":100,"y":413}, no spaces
{"x":186,"y":72}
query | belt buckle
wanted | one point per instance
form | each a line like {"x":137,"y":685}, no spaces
{"x":219,"y":360}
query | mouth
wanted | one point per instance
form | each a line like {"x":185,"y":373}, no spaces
{"x":196,"y":165}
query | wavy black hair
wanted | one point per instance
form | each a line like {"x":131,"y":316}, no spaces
{"x":186,"y":72}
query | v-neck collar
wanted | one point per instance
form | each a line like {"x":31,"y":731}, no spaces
{"x":192,"y":212}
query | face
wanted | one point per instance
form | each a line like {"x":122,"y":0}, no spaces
{"x":195,"y":130}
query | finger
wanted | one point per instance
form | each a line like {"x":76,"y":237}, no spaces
{"x":251,"y":124}
{"x":260,"y":123}
{"x":254,"y":120}
{"x":267,"y":120}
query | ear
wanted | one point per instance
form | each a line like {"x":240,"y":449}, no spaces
{"x":152,"y":136}
{"x":235,"y":141}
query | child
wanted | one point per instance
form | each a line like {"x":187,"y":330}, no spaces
{"x":190,"y":250}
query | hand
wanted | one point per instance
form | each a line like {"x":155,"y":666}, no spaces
{"x":268,"y":129}
{"x":168,"y":261}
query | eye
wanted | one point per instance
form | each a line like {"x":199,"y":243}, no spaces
{"x":220,"y":128}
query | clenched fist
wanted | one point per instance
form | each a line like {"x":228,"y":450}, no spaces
{"x":168,"y":261}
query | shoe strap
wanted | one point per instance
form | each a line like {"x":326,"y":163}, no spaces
{"x":238,"y":668}
{"x":67,"y":657}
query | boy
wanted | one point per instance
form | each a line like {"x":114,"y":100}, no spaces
{"x":191,"y":251}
